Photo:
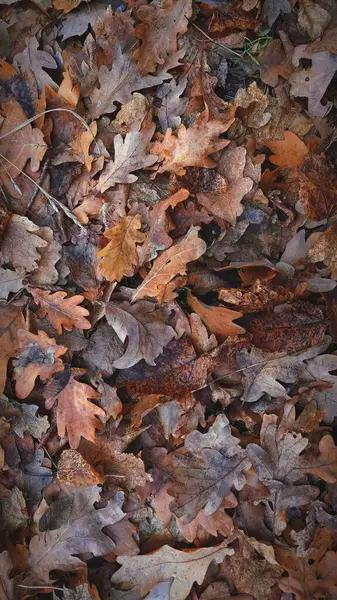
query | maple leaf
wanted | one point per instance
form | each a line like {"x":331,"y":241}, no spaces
{"x":218,"y":319}
{"x":117,"y":84}
{"x":120,"y":258}
{"x":158,"y":30}
{"x":19,"y":146}
{"x":76,"y":416}
{"x":168,"y":265}
{"x":203,"y":476}
{"x":318,"y":184}
{"x":39,"y":356}
{"x":11,"y":320}
{"x":61,"y":311}
{"x":191,"y":147}
{"x":312,"y":83}
{"x":36,"y":60}
{"x":141,"y":573}
{"x":130,"y":155}
{"x":143,"y":325}
{"x":229,"y":185}
{"x":81,"y":532}
{"x":157,"y":238}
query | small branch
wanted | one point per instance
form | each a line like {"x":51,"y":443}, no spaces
{"x":215,"y":42}
{"x":40,"y":182}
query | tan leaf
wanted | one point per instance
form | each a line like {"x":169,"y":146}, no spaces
{"x":230,"y":186}
{"x":80,"y":533}
{"x":76,"y":416}
{"x":325,"y":465}
{"x":20,"y":245}
{"x":141,"y":573}
{"x":252,"y":104}
{"x":168,"y":265}
{"x":191,"y":147}
{"x":20,"y":146}
{"x":10,"y":282}
{"x":130,"y":155}
{"x":61,"y":311}
{"x":46,"y":272}
{"x":120,"y":258}
{"x":36,"y":60}
{"x":313,"y":18}
{"x":81,"y":146}
{"x":218,"y":319}
{"x":73,"y":470}
{"x":323,"y":247}
{"x":158,"y":30}
{"x":143,"y":325}
{"x":38,"y":357}
{"x":288,"y":152}
{"x":160,"y":225}
{"x":11,"y":319}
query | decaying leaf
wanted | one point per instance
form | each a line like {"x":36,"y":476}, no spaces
{"x":11,"y":320}
{"x":318,"y":185}
{"x":61,"y":311}
{"x":120,"y":258}
{"x":24,"y":257}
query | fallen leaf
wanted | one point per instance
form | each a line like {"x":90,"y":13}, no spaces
{"x":160,"y":225}
{"x":158,"y":30}
{"x":187,"y":214}
{"x":130,"y":155}
{"x":251,"y":105}
{"x":82,"y":532}
{"x":172,"y":105}
{"x":318,"y":183}
{"x":76,"y":472}
{"x":11,"y":320}
{"x":24,"y":257}
{"x":61,"y":311}
{"x":322,"y":248}
{"x":288,"y":152}
{"x":275,"y":8}
{"x":312,"y":83}
{"x":66,"y":5}
{"x":324,"y":466}
{"x":319,"y":368}
{"x":191,"y":147}
{"x":36,"y":60}
{"x":218,"y":319}
{"x":38,"y":356}
{"x":36,"y":477}
{"x":10,"y":283}
{"x":76,"y":416}
{"x":24,"y":418}
{"x":104,"y":347}
{"x":141,"y":573}
{"x":168,"y":265}
{"x":120,"y":258}
{"x":313,"y":18}
{"x":143,"y":325}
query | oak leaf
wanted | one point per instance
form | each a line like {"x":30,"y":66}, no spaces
{"x":120,"y":258}
{"x":74,"y":471}
{"x":160,"y":225}
{"x":313,"y":18}
{"x":76,"y":416}
{"x":191,"y":147}
{"x":81,"y":533}
{"x":172,"y":106}
{"x":23,"y":256}
{"x":318,"y":187}
{"x":320,"y":368}
{"x":141,"y":573}
{"x":217,"y":319}
{"x":188,"y":214}
{"x":143,"y":325}
{"x":39,"y":356}
{"x":36,"y":60}
{"x":325,"y":465}
{"x":11,"y":320}
{"x":171,"y":263}
{"x":61,"y":311}
{"x":19,"y":146}
{"x":104,"y":347}
{"x":46,"y":273}
{"x":24,"y":417}
{"x":158,"y":30}
{"x":323,"y":248}
{"x":288,"y":152}
{"x":10,"y":282}
{"x":130,"y":155}
{"x":206,"y":470}
{"x":117,"y":84}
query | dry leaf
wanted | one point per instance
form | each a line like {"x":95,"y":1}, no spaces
{"x":24,"y":418}
{"x":74,"y":471}
{"x":168,"y":265}
{"x":20,"y":245}
{"x":313,"y":18}
{"x":323,"y":248}
{"x":11,"y":320}
{"x":172,"y":106}
{"x":318,"y":188}
{"x":38,"y":356}
{"x":191,"y":147}
{"x":120,"y":258}
{"x":218,"y":319}
{"x":61,"y":311}
{"x":158,"y":30}
{"x":141,"y":573}
{"x":36,"y":60}
{"x":288,"y":152}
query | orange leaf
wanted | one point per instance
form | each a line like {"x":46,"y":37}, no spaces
{"x":191,"y":147}
{"x":66,"y":5}
{"x":288,"y":152}
{"x":75,"y":471}
{"x":162,"y":279}
{"x":217,"y":319}
{"x":120,"y":257}
{"x":61,"y":310}
{"x":39,"y":357}
{"x":158,"y":29}
{"x":76,"y":416}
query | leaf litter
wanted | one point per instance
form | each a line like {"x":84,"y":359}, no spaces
{"x":168,"y":350}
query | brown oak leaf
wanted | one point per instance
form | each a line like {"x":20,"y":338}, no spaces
{"x":191,"y":147}
{"x":158,"y":30}
{"x":20,"y":245}
{"x":73,"y":470}
{"x":217,"y":319}
{"x":160,"y":225}
{"x":120,"y":258}
{"x":61,"y":311}
{"x":11,"y":320}
{"x":188,"y":214}
{"x":39,"y":356}
{"x":318,"y":187}
{"x":76,"y":416}
{"x":171,"y":263}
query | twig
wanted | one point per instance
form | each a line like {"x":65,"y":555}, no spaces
{"x":40,"y":182}
{"x":39,"y":587}
{"x":215,"y":42}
